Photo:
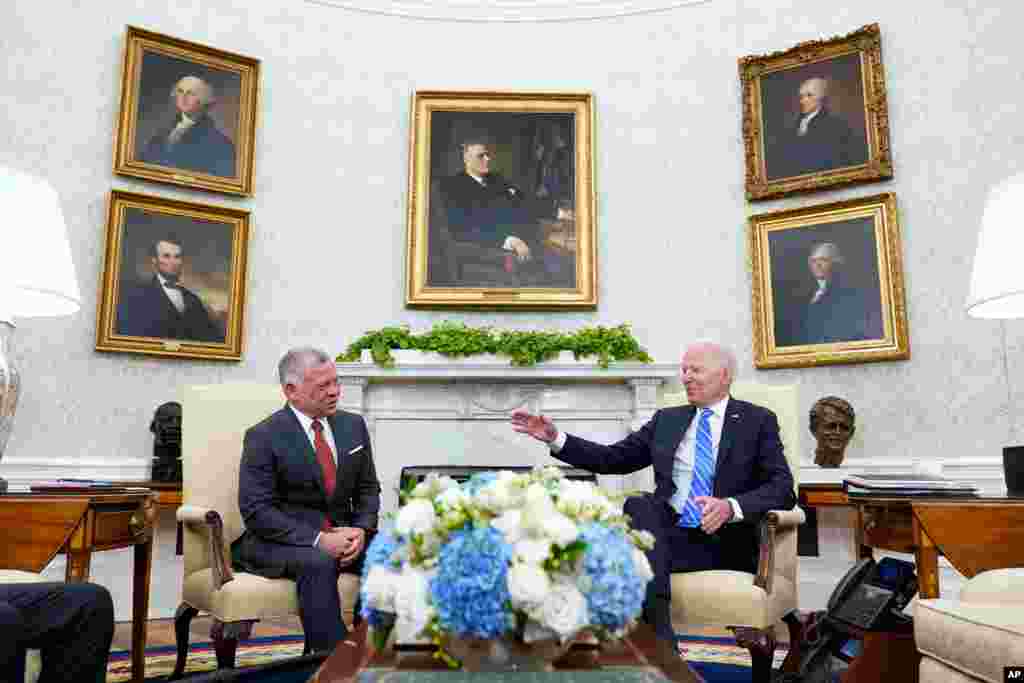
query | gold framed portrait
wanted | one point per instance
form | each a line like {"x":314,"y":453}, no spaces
{"x":188,"y":114}
{"x":827,"y":284}
{"x":173,"y":281}
{"x":501,"y":201}
{"x":815,"y":116}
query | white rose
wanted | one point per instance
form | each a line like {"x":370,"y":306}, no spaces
{"x":560,"y":529}
{"x":528,"y":585}
{"x":532,"y":550}
{"x":642,"y":566}
{"x":379,"y":588}
{"x":412,"y":601}
{"x":416,"y":517}
{"x":564,"y":610}
{"x":642,"y":538}
{"x":452,"y":498}
{"x":537,"y":507}
{"x":510,"y":524}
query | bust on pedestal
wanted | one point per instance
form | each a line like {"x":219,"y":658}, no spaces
{"x":832,"y":424}
{"x":166,"y":428}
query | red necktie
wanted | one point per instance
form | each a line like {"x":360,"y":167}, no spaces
{"x":324,"y":457}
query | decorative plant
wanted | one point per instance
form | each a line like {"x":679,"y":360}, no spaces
{"x":524,"y":347}
{"x":530,"y":557}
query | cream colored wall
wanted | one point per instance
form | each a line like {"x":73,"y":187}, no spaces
{"x":326,"y":253}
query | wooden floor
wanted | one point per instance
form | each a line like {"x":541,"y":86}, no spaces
{"x":161,"y":631}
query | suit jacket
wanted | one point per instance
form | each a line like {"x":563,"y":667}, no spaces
{"x":842,"y":314}
{"x":485,"y":214}
{"x":828,"y":144}
{"x":146,"y":311}
{"x":281,"y":491}
{"x":202,"y":148}
{"x":751,"y":466}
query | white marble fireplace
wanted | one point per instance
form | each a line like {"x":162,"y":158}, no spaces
{"x":433,"y":410}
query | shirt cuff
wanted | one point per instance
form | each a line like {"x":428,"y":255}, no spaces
{"x":316,"y":541}
{"x":507,"y":246}
{"x":737,"y":513}
{"x":558,"y":444}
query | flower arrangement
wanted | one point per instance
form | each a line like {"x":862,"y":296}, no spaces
{"x":526,"y":556}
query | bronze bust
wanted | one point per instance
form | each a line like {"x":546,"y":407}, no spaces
{"x":833,"y":423}
{"x":166,"y":428}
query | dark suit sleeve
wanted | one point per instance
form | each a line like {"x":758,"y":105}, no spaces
{"x":631,"y":454}
{"x":776,"y":489}
{"x":258,"y":499}
{"x":366,"y":499}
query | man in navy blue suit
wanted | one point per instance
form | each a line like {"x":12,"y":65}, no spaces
{"x":308,"y":493}
{"x":742,"y":453}
{"x":72,"y":624}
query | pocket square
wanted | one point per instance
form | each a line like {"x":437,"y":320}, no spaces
{"x":356,"y":449}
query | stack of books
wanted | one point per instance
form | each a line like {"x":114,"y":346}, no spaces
{"x":906,"y":484}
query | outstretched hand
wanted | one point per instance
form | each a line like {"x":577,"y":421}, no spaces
{"x":539,"y":427}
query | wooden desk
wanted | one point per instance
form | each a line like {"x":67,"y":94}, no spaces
{"x":38,"y":526}
{"x":974,"y":534}
{"x":168,"y":497}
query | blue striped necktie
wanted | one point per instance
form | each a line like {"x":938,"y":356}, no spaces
{"x":703,"y":472}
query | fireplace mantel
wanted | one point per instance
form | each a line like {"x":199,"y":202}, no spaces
{"x":428,"y":409}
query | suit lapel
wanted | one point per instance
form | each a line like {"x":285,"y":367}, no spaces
{"x":299,"y":443}
{"x":730,"y":423}
{"x":686,"y":414}
{"x":341,"y":441}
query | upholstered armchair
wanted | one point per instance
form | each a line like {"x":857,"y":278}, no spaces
{"x":973,"y":638}
{"x":214,"y":420}
{"x":750,"y":605}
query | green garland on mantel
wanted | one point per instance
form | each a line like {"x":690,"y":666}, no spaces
{"x":525,"y":348}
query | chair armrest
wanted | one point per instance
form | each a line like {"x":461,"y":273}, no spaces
{"x":208,"y":523}
{"x":775,"y":525}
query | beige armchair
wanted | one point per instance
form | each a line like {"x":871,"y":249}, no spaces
{"x":33,"y":662}
{"x":214,"y":420}
{"x":751,"y":605}
{"x":973,"y":638}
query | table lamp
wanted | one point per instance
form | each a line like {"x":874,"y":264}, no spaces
{"x":997,"y":282}
{"x":37,"y":277}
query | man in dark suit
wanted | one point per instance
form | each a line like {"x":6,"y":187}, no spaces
{"x":72,"y":624}
{"x":717,"y":475}
{"x":192,"y":142}
{"x":162,"y":307}
{"x":308,"y":494}
{"x":817,"y":140}
{"x":835,"y":311}
{"x":484,"y":213}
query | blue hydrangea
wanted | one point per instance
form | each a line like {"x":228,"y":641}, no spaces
{"x":470,"y":591}
{"x":479,"y":480}
{"x":381,"y":551}
{"x":616,"y":593}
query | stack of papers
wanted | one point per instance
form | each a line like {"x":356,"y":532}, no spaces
{"x":906,"y":484}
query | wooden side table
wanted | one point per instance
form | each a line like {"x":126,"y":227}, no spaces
{"x":38,"y":526}
{"x":168,"y":497}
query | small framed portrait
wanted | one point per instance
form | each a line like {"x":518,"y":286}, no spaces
{"x":188,"y":114}
{"x":501,"y":201}
{"x":815,"y":116}
{"x":174,"y":277}
{"x":828,"y":284}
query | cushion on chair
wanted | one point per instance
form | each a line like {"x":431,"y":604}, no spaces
{"x":975,"y":639}
{"x":248,"y":596}
{"x":934,"y":671}
{"x":997,"y":586}
{"x":728,"y":598}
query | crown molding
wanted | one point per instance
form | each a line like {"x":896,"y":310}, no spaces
{"x":507,"y":11}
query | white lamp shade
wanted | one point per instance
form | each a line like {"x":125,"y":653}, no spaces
{"x":37,"y":275}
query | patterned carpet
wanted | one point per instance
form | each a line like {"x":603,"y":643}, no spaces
{"x":717,"y":659}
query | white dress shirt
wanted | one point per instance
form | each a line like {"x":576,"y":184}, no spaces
{"x":173,"y":293}
{"x":805,"y":121}
{"x":682,"y":465}
{"x":307,"y":426}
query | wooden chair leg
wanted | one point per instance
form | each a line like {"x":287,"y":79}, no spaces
{"x":761,"y":644}
{"x":791,"y":664}
{"x":225,"y":637}
{"x":182,"y":619}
